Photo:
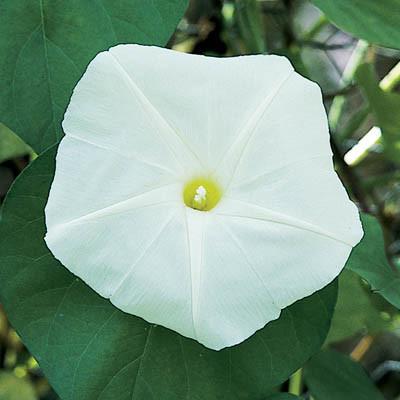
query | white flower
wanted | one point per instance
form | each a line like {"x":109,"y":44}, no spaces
{"x":198,"y":193}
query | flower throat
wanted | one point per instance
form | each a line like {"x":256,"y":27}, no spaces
{"x":201,"y":194}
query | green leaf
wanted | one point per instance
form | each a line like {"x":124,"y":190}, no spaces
{"x":91,"y":350}
{"x":367,"y":19}
{"x":357,"y":310}
{"x":386,"y":108}
{"x":368,"y":259}
{"x":13,"y":388}
{"x":283,"y":396}
{"x":249,"y":19}
{"x":333,"y":376}
{"x":11,"y":146}
{"x":45,"y":47}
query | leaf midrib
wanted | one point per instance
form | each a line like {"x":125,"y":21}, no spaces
{"x":46,"y":57}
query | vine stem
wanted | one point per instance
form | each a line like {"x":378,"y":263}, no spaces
{"x":387,"y":84}
{"x":334,"y":115}
{"x":296,"y":383}
{"x":361,"y":348}
{"x":319,"y":24}
{"x":338,"y":103}
{"x":391,"y":80}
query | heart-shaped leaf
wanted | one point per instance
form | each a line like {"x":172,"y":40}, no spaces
{"x":357,"y":310}
{"x":91,"y":350}
{"x":334,"y":376}
{"x":367,"y":19}
{"x":283,"y":396}
{"x":45,"y":47}
{"x":368,"y":259}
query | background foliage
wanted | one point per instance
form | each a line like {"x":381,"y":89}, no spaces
{"x":88,"y":349}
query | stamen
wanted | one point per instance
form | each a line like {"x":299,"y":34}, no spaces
{"x":200,"y":198}
{"x":201,"y":191}
{"x":201,"y":194}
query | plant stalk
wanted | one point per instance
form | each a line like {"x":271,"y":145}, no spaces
{"x":296,"y":383}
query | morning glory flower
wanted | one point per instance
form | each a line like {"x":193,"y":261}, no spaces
{"x":198,"y":193}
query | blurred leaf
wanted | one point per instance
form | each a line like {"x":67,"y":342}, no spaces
{"x":295,"y":57}
{"x":11,"y":146}
{"x":13,"y":388}
{"x":354,"y":122}
{"x":371,"y":20}
{"x":91,"y":350}
{"x":248,"y":15}
{"x":320,"y":69}
{"x":333,"y":376}
{"x":355,"y":310}
{"x":339,"y":102}
{"x":368,"y":259}
{"x":283,"y":396}
{"x":46,"y":46}
{"x":386,"y":108}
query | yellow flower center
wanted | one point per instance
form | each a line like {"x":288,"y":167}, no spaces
{"x":202,"y":194}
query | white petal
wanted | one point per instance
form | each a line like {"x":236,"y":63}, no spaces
{"x":157,"y":286}
{"x":284,"y":203}
{"x":233,"y":299}
{"x":307,"y":191}
{"x":108,"y":110}
{"x":296,"y":226}
{"x":206,"y":100}
{"x":124,"y":236}
{"x":290,"y":125}
{"x":285,"y":163}
{"x":89,"y":178}
{"x":293,"y":262}
{"x":101,"y":246}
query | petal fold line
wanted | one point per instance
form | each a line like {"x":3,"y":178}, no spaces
{"x":256,"y":212}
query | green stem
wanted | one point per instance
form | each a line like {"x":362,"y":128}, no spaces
{"x":296,"y":383}
{"x":387,"y":84}
{"x":391,"y":80}
{"x":319,"y":24}
{"x":339,"y":102}
{"x":248,"y":14}
{"x":354,"y":123}
{"x":382,"y":179}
